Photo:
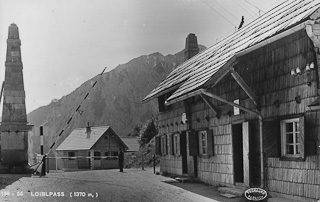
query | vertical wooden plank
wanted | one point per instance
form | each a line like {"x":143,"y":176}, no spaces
{"x":245,"y":142}
{"x":301,"y":137}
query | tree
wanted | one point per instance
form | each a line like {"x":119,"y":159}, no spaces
{"x":148,"y":131}
{"x":135,"y":132}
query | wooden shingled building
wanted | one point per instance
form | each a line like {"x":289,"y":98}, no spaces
{"x":90,"y":148}
{"x":245,"y":111}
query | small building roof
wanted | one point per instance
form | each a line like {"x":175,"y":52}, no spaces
{"x":198,"y":71}
{"x":77,"y":140}
{"x":132,"y":143}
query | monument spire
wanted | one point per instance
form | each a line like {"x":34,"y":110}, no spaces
{"x":14,"y":107}
{"x":14,"y":127}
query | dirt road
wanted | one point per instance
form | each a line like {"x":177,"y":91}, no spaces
{"x":102,"y":185}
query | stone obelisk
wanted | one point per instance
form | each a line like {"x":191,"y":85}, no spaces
{"x":14,"y":127}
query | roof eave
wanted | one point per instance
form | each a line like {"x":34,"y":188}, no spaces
{"x":214,"y":79}
{"x":175,"y":87}
{"x":275,"y":37}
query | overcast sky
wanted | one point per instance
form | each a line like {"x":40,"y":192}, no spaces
{"x":66,"y":42}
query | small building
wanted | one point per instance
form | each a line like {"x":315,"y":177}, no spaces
{"x":90,"y":148}
{"x":132,"y":144}
{"x":245,"y":112}
{"x":133,"y":149}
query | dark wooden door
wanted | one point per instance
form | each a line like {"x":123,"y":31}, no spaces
{"x":183,"y":151}
{"x":237,"y":144}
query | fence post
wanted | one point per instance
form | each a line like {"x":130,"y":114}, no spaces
{"x":56,"y":164}
{"x":43,"y":168}
{"x":154,"y":164}
{"x":48,"y":167}
{"x":142,"y":162}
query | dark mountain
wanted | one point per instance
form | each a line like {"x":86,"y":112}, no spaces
{"x":115,"y":100}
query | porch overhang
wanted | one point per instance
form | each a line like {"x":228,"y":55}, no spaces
{"x":203,"y":92}
{"x":315,"y":105}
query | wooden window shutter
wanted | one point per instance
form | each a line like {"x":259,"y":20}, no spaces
{"x":166,"y":144}
{"x":193,"y":143}
{"x":172,"y":144}
{"x":182,"y":143}
{"x":271,"y":138}
{"x":178,"y":145}
{"x":301,"y":137}
{"x":158,"y":145}
{"x":210,"y":143}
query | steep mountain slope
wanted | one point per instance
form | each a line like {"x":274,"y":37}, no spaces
{"x":114,"y":101}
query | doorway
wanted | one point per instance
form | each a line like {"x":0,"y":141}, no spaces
{"x":183,"y":148}
{"x":240,"y":144}
{"x":237,"y":143}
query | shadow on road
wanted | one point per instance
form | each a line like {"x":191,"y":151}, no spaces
{"x":8,"y":179}
{"x":205,"y":190}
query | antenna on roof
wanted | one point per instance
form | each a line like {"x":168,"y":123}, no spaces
{"x":241,"y":23}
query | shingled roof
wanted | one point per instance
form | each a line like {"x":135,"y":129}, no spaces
{"x":197,"y":72}
{"x":132,"y":143}
{"x":77,"y":140}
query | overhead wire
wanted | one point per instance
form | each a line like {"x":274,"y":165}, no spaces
{"x":254,"y":6}
{"x":245,"y":9}
{"x":273,"y":5}
{"x":248,"y":21}
{"x":211,"y":7}
{"x":226,"y":10}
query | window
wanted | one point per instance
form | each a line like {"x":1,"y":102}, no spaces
{"x":176,"y":144}
{"x":111,"y":155}
{"x":164,"y":144}
{"x":292,"y":138}
{"x":202,"y":142}
{"x":71,"y":154}
{"x":97,"y":155}
{"x":236,"y":110}
{"x":204,"y":145}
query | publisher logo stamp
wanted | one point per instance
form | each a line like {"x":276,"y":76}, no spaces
{"x":255,"y":194}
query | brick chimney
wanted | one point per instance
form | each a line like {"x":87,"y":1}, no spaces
{"x":191,"y":48}
{"x":88,"y":130}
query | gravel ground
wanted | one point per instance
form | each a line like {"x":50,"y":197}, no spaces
{"x":102,"y":185}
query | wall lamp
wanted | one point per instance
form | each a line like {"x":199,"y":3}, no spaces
{"x":296,"y":71}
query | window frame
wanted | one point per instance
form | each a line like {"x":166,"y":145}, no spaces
{"x":163,"y":145}
{"x":176,"y":144}
{"x":71,"y":154}
{"x":97,"y":155}
{"x":295,"y":136}
{"x":203,"y":148}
